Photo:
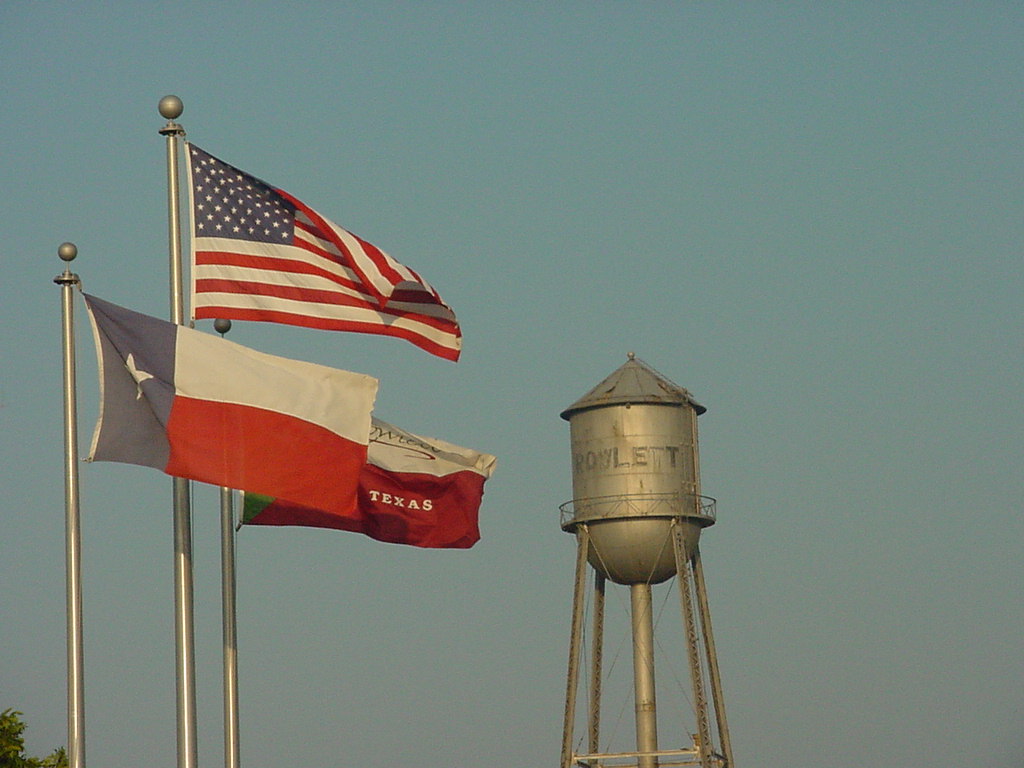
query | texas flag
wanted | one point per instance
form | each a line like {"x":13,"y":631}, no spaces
{"x":413,"y":490}
{"x":200,"y":407}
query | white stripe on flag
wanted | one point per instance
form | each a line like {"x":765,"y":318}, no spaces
{"x":339,"y":401}
{"x":371,"y":317}
{"x":272,"y":277}
{"x":211,"y":246}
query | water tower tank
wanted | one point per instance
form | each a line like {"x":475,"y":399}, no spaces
{"x":634,"y":471}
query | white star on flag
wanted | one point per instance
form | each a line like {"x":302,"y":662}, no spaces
{"x":137,"y":373}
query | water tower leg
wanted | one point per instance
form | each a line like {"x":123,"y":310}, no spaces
{"x":709,"y":645}
{"x":572,"y":679}
{"x":643,"y":673}
{"x":597,"y":641}
{"x":696,"y":673}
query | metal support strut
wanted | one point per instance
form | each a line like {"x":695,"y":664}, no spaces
{"x":572,"y":679}
{"x":597,"y":641}
{"x":709,"y":645}
{"x":693,"y":651}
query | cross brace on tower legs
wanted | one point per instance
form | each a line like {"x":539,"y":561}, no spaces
{"x":696,"y":617}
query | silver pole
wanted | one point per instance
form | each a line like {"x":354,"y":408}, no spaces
{"x":184,"y":631}
{"x":227,"y":585}
{"x":228,"y":614}
{"x":171,"y":108}
{"x":72,"y":529}
{"x":643,"y":673}
{"x":709,"y":646}
{"x":576,"y":634}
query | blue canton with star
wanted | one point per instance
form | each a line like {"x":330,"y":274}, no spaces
{"x":233,"y":204}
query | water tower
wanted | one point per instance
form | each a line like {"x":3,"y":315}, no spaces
{"x":637,"y":514}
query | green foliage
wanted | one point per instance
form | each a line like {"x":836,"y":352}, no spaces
{"x":59,"y":759}
{"x":12,"y":746}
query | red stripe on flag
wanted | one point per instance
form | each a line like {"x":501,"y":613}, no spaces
{"x":369,"y":251}
{"x":335,"y":257}
{"x":275,"y":265}
{"x":213,"y":311}
{"x":272,"y":264}
{"x":264,"y":452}
{"x":311,"y":295}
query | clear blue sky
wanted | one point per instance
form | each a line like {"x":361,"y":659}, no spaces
{"x":808,"y":214}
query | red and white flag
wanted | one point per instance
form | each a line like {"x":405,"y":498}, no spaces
{"x":200,"y":407}
{"x":413,"y":490}
{"x":260,"y":254}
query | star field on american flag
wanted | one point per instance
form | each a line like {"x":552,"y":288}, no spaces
{"x":230,"y":203}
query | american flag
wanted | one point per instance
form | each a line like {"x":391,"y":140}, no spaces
{"x":260,"y":254}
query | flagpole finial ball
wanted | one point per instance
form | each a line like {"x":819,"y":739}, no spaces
{"x":171,"y":107}
{"x":221,"y":326}
{"x":67,"y":251}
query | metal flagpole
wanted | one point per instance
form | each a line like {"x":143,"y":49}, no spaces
{"x":228,"y":614}
{"x":184,"y":633}
{"x":72,"y":532}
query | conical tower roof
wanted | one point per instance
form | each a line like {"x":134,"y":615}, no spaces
{"x":634,"y":382}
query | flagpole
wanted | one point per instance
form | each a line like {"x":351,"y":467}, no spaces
{"x":72,"y":532}
{"x":228,"y":614}
{"x":184,"y":631}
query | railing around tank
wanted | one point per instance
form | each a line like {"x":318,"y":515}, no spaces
{"x":638,"y":505}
